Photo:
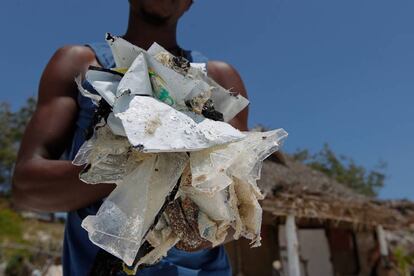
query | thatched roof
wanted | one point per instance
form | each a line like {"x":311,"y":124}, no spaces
{"x":294,"y":188}
{"x":402,"y":238}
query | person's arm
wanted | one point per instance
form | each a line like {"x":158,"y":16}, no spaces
{"x":42,"y":182}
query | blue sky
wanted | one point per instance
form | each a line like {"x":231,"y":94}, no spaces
{"x":328,"y":71}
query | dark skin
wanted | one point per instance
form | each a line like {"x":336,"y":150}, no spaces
{"x":41,"y":182}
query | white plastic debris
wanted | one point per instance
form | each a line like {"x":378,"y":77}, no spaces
{"x":107,"y":156}
{"x":158,"y":132}
{"x":118,"y":226}
{"x":212,"y":168}
{"x":228,"y":103}
{"x":136,"y":80}
{"x":127,"y":214}
{"x":105,"y":83}
{"x":153,"y":126}
{"x":95,"y":98}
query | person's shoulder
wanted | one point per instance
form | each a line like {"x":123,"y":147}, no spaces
{"x":62,"y":69}
{"x":219,"y":69}
{"x":226,"y":75}
{"x":75,"y":56}
{"x":68,"y":62}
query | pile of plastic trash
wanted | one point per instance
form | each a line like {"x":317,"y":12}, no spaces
{"x":163,"y":139}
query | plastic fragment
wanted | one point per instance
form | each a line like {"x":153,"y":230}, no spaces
{"x":157,"y":127}
{"x":136,"y":80}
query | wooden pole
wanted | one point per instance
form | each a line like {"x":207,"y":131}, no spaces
{"x":382,"y":240}
{"x":292,"y":246}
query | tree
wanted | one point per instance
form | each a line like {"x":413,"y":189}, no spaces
{"x":345,"y":170}
{"x":12,"y":125}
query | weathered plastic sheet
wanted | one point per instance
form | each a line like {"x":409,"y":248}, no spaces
{"x":82,"y":156}
{"x":160,"y":251}
{"x":215,"y":206}
{"x":127,"y":214}
{"x":136,"y":80}
{"x":208,"y":170}
{"x":168,"y":169}
{"x":212,"y":169}
{"x":177,"y":85}
{"x":249,"y":210}
{"x":253,"y":150}
{"x":153,"y":126}
{"x":124,"y":52}
{"x":228,"y":103}
{"x":94,"y":97}
{"x":115,"y":124}
{"x":107,"y":156}
{"x":105,"y":83}
{"x":118,"y":226}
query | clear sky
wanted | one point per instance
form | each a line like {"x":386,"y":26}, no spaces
{"x":340,"y":72}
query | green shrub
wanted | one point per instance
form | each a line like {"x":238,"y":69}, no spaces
{"x":10,"y":226}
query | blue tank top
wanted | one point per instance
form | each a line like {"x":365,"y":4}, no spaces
{"x":79,"y":253}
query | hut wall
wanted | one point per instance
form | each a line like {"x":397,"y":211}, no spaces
{"x":314,"y":251}
{"x":366,"y":244}
{"x":249,"y":261}
{"x":323,"y":252}
{"x":344,"y":252}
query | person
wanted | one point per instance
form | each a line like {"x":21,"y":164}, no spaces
{"x":43,"y":181}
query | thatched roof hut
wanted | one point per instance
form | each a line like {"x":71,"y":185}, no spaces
{"x":347,"y":226}
{"x":294,"y":188}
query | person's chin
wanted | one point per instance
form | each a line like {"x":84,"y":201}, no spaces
{"x":155,"y":19}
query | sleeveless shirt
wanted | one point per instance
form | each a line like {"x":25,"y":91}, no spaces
{"x":79,"y":252}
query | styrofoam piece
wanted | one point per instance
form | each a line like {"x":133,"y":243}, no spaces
{"x":136,"y":80}
{"x":153,"y":126}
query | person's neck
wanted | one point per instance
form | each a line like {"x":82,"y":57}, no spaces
{"x":143,"y":34}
